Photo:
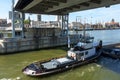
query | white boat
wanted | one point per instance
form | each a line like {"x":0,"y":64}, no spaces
{"x":84,"y":50}
{"x":82,"y":53}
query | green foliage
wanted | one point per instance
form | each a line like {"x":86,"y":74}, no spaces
{"x":9,"y":35}
{"x":27,"y":21}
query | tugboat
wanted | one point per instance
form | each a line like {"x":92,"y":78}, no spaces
{"x":82,"y":53}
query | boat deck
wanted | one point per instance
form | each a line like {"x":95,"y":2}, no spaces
{"x":55,"y":62}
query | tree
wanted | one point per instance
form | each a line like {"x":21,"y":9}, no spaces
{"x":27,"y":21}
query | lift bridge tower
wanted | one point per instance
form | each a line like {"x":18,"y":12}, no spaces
{"x":17,"y":17}
{"x":63,"y":23}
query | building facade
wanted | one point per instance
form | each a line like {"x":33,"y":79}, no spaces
{"x":76,"y":25}
{"x":3,"y":23}
{"x":112,"y":24}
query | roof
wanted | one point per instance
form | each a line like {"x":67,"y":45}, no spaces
{"x":60,"y":7}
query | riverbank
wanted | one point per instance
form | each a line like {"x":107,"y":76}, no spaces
{"x":95,"y":29}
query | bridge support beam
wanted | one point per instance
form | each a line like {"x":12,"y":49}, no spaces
{"x":17,"y":16}
{"x":63,"y":23}
{"x":13,"y":20}
{"x":22,"y":24}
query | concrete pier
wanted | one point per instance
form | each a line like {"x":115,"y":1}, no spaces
{"x":116,"y":45}
{"x":112,"y":51}
{"x":10,"y":45}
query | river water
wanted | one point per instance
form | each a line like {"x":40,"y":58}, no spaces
{"x":108,"y":36}
{"x":105,"y":69}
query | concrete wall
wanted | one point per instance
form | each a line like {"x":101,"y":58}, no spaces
{"x":16,"y":45}
{"x":42,"y":32}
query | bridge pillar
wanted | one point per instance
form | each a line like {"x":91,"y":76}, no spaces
{"x":13,"y":20}
{"x":17,"y":21}
{"x":22,"y":24}
{"x":63,"y":23}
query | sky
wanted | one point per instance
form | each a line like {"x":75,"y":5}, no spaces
{"x":93,"y":15}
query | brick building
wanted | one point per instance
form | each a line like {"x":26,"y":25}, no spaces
{"x":112,"y":24}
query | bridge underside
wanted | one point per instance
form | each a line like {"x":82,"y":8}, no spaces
{"x":60,"y":7}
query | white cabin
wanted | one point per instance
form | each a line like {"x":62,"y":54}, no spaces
{"x":82,"y":51}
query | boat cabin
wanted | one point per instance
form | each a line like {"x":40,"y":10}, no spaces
{"x":81,"y":51}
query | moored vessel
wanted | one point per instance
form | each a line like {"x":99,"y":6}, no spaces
{"x":80,"y":54}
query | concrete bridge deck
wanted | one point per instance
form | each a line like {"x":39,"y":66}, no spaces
{"x":61,"y":7}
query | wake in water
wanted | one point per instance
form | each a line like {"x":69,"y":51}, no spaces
{"x":17,"y":78}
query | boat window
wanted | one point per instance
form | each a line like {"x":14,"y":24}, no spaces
{"x":78,"y":48}
{"x":81,"y":54}
{"x":32,"y":67}
{"x":70,"y":57}
{"x":86,"y":52}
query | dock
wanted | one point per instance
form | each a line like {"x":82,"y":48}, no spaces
{"x":116,"y":45}
{"x":112,"y":51}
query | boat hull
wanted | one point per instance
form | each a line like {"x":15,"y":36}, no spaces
{"x":65,"y":67}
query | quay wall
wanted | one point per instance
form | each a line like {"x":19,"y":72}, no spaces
{"x":17,"y":45}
